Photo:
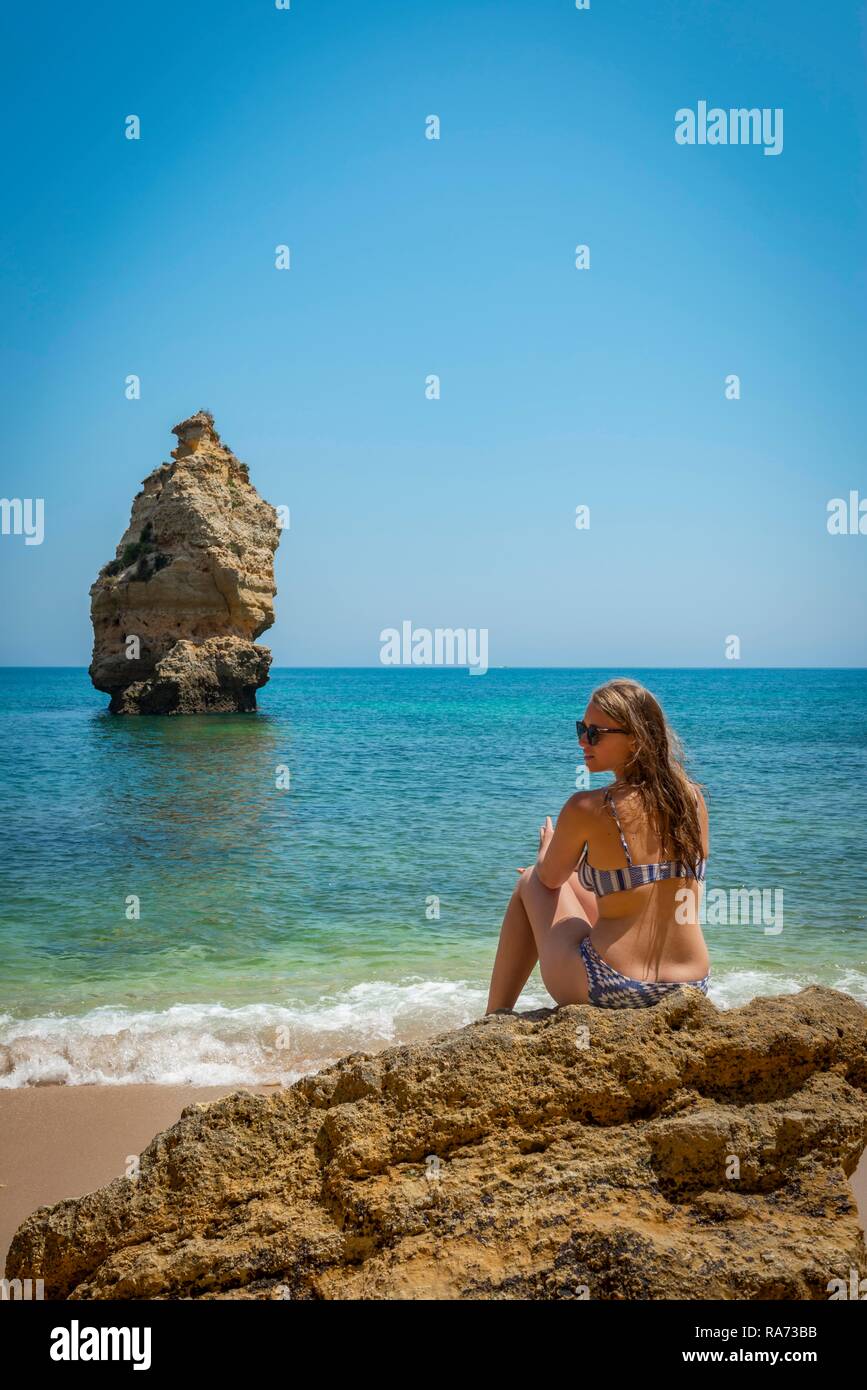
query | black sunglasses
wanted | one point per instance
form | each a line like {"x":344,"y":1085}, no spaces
{"x":593,"y":731}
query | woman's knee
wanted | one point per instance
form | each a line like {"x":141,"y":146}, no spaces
{"x":530,"y":882}
{"x":521,"y":886}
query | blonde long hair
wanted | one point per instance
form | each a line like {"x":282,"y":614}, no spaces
{"x":656,"y":768}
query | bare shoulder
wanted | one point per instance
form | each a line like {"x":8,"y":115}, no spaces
{"x":584,"y":805}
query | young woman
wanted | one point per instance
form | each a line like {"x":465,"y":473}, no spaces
{"x":611,"y":908}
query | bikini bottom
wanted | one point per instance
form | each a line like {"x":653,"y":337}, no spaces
{"x":611,"y":990}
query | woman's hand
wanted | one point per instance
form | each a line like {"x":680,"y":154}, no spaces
{"x":546,"y":833}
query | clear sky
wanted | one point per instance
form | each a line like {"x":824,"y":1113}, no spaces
{"x":410,"y":256}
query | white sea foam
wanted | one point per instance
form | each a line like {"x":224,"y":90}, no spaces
{"x":212,"y":1045}
{"x":731,"y":988}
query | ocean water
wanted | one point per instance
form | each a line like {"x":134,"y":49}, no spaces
{"x":280,"y":927}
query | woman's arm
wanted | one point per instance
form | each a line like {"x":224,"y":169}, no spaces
{"x":560,"y":847}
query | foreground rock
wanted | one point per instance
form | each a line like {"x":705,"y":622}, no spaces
{"x":176,"y":612}
{"x":520,"y":1157}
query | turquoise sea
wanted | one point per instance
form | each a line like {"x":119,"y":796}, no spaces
{"x":280,"y":926}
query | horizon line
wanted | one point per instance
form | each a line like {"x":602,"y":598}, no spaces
{"x":379,"y":666}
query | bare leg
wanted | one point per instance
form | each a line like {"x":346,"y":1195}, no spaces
{"x":515,"y":958}
{"x":559,"y":925}
{"x":589,"y":901}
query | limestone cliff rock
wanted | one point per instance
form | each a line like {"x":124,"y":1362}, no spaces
{"x":193,"y":582}
{"x":673,"y":1152}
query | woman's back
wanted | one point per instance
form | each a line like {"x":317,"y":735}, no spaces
{"x":645,"y":929}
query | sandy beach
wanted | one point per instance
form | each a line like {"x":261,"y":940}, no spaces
{"x":64,"y":1141}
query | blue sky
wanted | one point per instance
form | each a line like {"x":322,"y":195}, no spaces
{"x":559,"y":387}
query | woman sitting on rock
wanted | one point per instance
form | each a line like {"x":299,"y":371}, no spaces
{"x":611,"y":908}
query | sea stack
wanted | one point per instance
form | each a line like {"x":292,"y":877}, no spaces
{"x":176,"y":613}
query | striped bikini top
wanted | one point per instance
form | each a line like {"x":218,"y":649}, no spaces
{"x":602,"y":881}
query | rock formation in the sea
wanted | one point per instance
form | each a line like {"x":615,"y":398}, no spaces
{"x":673,"y":1152}
{"x":177,"y":611}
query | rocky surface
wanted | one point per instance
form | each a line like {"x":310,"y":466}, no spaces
{"x":218,"y":676}
{"x":193,"y":582}
{"x":560,"y":1154}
